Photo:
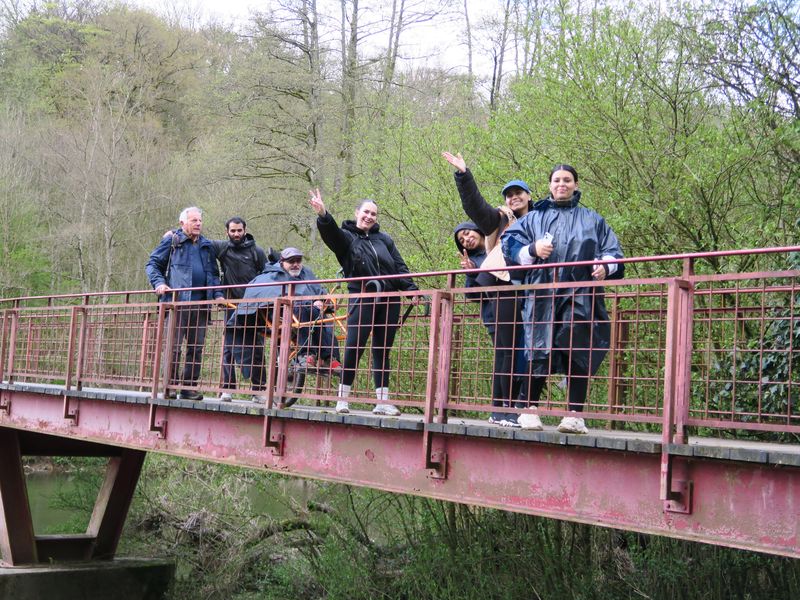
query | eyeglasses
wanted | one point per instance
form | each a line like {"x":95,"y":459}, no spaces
{"x":295,"y":260}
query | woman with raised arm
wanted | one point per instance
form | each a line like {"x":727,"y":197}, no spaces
{"x":566,"y":330}
{"x":508,"y":385}
{"x":364,"y":251}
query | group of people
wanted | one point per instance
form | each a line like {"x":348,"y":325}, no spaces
{"x":535,"y":332}
{"x":541,"y":331}
{"x":187,"y":259}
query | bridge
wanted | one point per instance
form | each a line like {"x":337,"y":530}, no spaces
{"x":694,"y":418}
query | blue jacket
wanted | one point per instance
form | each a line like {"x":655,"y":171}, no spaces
{"x":173,"y":253}
{"x":570,"y":324}
{"x":274,"y":273}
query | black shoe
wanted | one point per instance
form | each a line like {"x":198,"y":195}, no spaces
{"x":190,"y":395}
{"x":504,"y":419}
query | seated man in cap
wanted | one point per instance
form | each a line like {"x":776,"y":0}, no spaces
{"x":317,"y":343}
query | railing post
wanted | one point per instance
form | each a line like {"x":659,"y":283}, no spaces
{"x":614,"y":371}
{"x":160,"y":427}
{"x":438,"y":379}
{"x":13,"y":326}
{"x":72,"y":415}
{"x":145,"y":339}
{"x":80,"y":362}
{"x":278,"y":370}
{"x":4,"y":333}
{"x":676,"y":489}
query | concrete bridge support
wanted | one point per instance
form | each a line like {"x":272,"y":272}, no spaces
{"x":25,"y":552}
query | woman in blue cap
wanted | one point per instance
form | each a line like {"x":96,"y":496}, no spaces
{"x":492,"y":222}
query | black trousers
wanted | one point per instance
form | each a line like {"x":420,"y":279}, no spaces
{"x":577,"y":387}
{"x":379,"y":317}
{"x":509,"y":337}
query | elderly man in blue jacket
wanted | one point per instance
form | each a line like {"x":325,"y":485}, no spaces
{"x":317,"y":345}
{"x":186,"y":259}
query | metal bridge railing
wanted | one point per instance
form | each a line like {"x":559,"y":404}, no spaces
{"x":708,"y":351}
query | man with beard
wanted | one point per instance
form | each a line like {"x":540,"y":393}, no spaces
{"x":240,"y":260}
{"x":246,"y":325}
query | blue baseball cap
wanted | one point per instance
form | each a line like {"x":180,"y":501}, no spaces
{"x":515,"y":183}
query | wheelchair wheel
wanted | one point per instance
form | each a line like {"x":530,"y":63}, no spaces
{"x":295,"y":380}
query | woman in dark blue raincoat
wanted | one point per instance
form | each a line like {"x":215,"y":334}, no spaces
{"x":567,"y":329}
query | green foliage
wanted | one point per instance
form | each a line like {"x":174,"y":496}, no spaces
{"x":758,"y":371}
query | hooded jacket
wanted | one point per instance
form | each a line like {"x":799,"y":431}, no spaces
{"x":569,"y":323}
{"x":477,"y":256}
{"x":364,"y":254}
{"x":170,"y":264}
{"x":240,"y":262}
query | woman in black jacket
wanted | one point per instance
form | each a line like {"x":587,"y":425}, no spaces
{"x":363,"y":251}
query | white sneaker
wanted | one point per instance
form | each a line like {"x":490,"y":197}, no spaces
{"x":342,"y":407}
{"x":225,"y":397}
{"x":572,"y":425}
{"x":530,"y":421}
{"x":258,"y":399}
{"x":390,"y":410}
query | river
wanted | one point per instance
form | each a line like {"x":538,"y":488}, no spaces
{"x":49,"y":517}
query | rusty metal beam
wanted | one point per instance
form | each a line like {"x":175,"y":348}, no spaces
{"x":608,"y":478}
{"x":17,"y":544}
{"x":113,"y":501}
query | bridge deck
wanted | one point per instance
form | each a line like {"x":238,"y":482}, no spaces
{"x":606,"y":439}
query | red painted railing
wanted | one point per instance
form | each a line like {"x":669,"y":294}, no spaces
{"x":710,"y":351}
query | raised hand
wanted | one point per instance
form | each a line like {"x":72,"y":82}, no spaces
{"x":456,"y":160}
{"x":466,"y":262}
{"x":316,"y":203}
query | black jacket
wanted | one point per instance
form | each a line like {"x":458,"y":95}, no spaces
{"x":484,"y":215}
{"x":239,"y":263}
{"x":364,"y":254}
{"x":488,"y":301}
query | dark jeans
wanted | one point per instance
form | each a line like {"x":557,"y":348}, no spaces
{"x":509,"y":337}
{"x":376,"y":316}
{"x":228,"y":372}
{"x":247,"y":349}
{"x":190,"y":326}
{"x":317,"y":339}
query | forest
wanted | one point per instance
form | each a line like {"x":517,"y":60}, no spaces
{"x":681,"y":118}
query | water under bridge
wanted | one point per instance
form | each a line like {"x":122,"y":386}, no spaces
{"x":694,"y":416}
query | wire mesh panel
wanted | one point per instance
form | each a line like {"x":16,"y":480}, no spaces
{"x":612,"y":352}
{"x":746,"y":353}
{"x":370,"y":341}
{"x":117,"y":345}
{"x":41,"y":349}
